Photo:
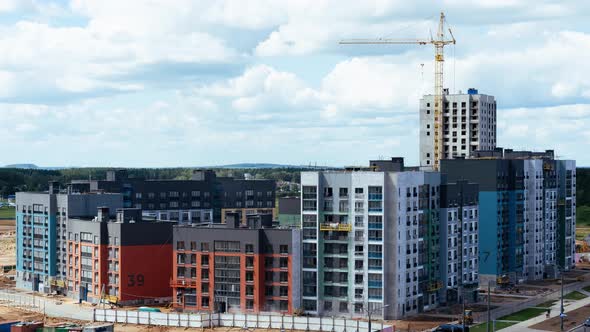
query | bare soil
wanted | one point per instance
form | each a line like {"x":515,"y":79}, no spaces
{"x":574,"y":318}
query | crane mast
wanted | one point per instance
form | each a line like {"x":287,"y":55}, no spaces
{"x":439,"y":43}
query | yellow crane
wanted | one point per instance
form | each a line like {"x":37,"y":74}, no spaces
{"x":439,"y":43}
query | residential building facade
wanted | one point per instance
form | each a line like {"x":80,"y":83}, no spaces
{"x":237,"y":268}
{"x":205,"y":198}
{"x":126,"y":260}
{"x":459,"y":242}
{"x":370,"y":242}
{"x":41,"y":242}
{"x":468,"y":124}
{"x":519,"y":198}
{"x":289,"y":211}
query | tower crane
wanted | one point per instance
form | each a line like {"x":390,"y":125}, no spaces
{"x":439,"y":43}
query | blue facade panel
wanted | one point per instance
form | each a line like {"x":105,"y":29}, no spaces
{"x":488,"y":232}
{"x":19,"y":241}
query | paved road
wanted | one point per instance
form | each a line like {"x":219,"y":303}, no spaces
{"x":49,"y":306}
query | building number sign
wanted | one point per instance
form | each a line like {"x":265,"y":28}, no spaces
{"x":135,"y":280}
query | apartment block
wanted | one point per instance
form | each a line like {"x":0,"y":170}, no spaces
{"x":41,"y":242}
{"x":237,"y":268}
{"x":126,"y":260}
{"x":520,"y":202}
{"x":566,"y":212}
{"x":371,"y":239}
{"x":205,"y":198}
{"x":459,"y":244}
{"x":468,"y":124}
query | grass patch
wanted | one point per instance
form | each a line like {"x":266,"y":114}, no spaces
{"x":587,"y":288}
{"x":7,"y":212}
{"x":575,"y":295}
{"x":583,"y":216}
{"x":523,"y":315}
{"x":548,"y":304}
{"x":484,"y":326}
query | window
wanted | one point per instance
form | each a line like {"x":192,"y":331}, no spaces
{"x":250,"y":261}
{"x":284,"y":249}
{"x":138,"y":195}
{"x":249,"y":276}
{"x":268,"y":291}
{"x":180,"y":245}
{"x":249,"y":304}
{"x":205,"y":301}
{"x":284,"y":277}
{"x":268,"y":262}
{"x":204,"y":246}
{"x":284,"y":291}
{"x":227,"y":246}
{"x":283,"y":262}
{"x":193,"y":245}
{"x":249,"y":248}
{"x":249,"y":290}
{"x":204,"y":260}
{"x":205,"y":274}
{"x":343,"y":192}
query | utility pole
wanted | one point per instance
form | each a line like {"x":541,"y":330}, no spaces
{"x":561,"y":306}
{"x":463,"y":313}
{"x":489,"y":301}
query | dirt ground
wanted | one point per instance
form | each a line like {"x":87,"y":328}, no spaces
{"x":573,"y":319}
{"x":7,"y":242}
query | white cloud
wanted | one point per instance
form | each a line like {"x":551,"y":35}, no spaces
{"x":127,"y":74}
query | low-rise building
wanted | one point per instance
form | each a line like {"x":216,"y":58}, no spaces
{"x":236,"y":267}
{"x":126,"y":260}
{"x":41,"y":238}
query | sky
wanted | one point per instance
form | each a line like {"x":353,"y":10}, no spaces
{"x":165,"y":83}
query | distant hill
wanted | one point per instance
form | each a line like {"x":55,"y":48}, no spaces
{"x":32,"y":166}
{"x":259,"y":165}
{"x":22,"y":166}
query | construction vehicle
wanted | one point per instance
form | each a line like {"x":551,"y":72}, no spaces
{"x":503,"y":281}
{"x":467,"y":317}
{"x":439,"y":42}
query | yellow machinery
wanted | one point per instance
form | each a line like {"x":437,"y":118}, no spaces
{"x":336,"y":227}
{"x":439,"y":43}
{"x":503,"y":281}
{"x":467,"y":317}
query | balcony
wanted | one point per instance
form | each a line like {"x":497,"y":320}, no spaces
{"x":375,"y":197}
{"x":374,"y":255}
{"x":336,"y":227}
{"x":183,"y":283}
{"x":375,"y":284}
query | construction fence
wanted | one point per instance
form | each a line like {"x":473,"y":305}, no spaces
{"x":245,"y":321}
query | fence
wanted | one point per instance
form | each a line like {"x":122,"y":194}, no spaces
{"x":507,"y":310}
{"x":17,"y":300}
{"x":262,"y":321}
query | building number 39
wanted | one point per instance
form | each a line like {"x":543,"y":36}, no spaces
{"x":135,"y":280}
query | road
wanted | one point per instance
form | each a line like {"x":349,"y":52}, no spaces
{"x":51,"y":307}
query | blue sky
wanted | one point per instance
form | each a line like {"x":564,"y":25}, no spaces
{"x":186,"y":83}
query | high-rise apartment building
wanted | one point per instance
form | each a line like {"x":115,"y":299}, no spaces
{"x":41,"y":241}
{"x":524,"y":198}
{"x":459,"y":241}
{"x":468,"y":124}
{"x":371,"y":240}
